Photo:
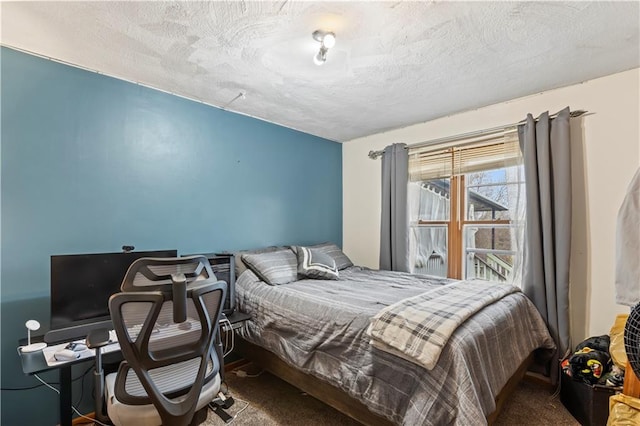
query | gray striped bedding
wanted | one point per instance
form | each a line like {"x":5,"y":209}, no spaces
{"x":319,"y":327}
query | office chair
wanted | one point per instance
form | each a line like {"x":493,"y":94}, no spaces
{"x":166,"y":318}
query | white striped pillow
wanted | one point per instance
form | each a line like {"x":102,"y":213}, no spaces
{"x":312,"y":263}
{"x":274,"y":268}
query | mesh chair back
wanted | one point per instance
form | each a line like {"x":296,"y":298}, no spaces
{"x":168,"y":356}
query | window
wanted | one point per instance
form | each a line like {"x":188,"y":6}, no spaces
{"x":466,"y":206}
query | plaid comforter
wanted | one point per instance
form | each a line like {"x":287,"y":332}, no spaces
{"x":418,"y":328}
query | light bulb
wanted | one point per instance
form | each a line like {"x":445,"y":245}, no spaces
{"x":320,"y":57}
{"x":329,"y":40}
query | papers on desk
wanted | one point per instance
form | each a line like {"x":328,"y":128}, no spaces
{"x":49,"y":351}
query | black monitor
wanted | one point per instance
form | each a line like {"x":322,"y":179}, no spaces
{"x":81,"y":285}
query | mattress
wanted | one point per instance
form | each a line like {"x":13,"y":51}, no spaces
{"x":318,"y":326}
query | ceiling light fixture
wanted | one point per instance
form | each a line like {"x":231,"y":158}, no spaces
{"x":327,"y":40}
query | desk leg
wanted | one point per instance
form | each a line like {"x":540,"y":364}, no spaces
{"x":65,"y":396}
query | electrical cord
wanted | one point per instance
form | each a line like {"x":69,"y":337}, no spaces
{"x":232,"y":338}
{"x":229,"y":338}
{"x":229,"y":419}
{"x":72,"y":407}
{"x":23,"y":389}
{"x":246,"y":405}
{"x":82,"y":384}
{"x":52,"y":383}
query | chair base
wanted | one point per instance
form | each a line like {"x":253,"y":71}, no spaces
{"x":220,"y":404}
{"x":200,"y":416}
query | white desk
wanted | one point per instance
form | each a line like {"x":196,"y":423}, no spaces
{"x":36,"y":362}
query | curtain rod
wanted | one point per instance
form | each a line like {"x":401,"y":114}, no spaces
{"x":375,"y":154}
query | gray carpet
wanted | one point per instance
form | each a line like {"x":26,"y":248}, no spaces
{"x":275,"y":402}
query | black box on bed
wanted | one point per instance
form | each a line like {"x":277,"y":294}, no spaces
{"x":589,"y":404}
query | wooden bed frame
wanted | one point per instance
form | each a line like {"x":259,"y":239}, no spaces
{"x":337,"y":398}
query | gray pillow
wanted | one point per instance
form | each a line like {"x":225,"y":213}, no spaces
{"x":342,"y":261}
{"x":240,"y":265}
{"x":312,"y":263}
{"x":274,"y":268}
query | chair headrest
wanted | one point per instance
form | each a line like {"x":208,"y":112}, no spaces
{"x":158,"y":274}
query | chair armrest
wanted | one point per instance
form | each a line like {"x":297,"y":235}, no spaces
{"x":98,"y":338}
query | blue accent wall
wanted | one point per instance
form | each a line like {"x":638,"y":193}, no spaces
{"x":91,"y":163}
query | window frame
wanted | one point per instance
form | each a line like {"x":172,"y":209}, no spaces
{"x":456,"y":250}
{"x":454,"y":160}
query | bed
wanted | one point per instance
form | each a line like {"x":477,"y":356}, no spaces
{"x":313,"y":334}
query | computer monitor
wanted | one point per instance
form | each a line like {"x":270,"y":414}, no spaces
{"x":81,"y":285}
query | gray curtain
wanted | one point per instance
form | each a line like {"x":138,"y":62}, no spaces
{"x":545,"y":145}
{"x":394,"y":229}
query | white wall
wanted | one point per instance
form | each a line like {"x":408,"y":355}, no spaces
{"x":606,"y":154}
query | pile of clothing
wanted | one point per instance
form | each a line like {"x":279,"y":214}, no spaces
{"x":591,"y":363}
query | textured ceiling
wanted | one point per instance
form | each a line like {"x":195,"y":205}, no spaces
{"x":394,"y":63}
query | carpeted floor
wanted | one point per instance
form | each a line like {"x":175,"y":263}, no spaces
{"x":275,"y":402}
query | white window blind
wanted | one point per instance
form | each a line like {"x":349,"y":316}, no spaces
{"x":485,"y":152}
